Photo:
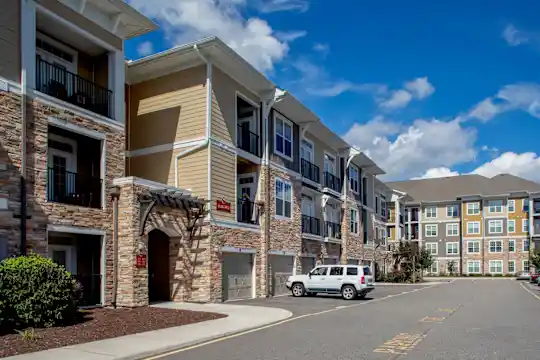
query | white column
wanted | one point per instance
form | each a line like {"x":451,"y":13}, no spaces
{"x":409,"y":227}
{"x":28,"y":43}
{"x":117,"y":81}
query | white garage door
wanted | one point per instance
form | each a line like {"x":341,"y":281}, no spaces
{"x":330,"y":261}
{"x":237,"y":273}
{"x":308,"y":263}
{"x":353,"y":262}
{"x":282,"y":268}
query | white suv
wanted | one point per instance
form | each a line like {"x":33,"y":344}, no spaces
{"x":350,"y":280}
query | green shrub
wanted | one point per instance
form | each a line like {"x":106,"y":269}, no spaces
{"x":36,"y":292}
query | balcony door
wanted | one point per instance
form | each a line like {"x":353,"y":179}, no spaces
{"x":62,"y":168}
{"x":247,"y":189}
{"x":308,"y":206}
{"x":329,"y":164}
{"x":306,"y":151}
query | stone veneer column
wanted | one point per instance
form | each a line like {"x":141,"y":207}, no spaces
{"x":345,"y":232}
{"x":265,"y":220}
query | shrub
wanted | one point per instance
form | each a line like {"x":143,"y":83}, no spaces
{"x":36,"y":292}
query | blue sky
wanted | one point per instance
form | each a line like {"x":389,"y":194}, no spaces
{"x":426,"y":89}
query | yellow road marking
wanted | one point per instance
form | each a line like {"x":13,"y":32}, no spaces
{"x":436,"y":319}
{"x":448,"y":310}
{"x":400,"y":344}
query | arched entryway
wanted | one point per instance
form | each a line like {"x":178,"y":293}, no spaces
{"x":158,"y":267}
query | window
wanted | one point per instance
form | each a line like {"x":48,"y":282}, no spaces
{"x":525,"y":246}
{"x":511,"y":205}
{"x":353,"y":178}
{"x":473,"y":267}
{"x":511,"y":226}
{"x":283,"y":198}
{"x":336,"y":271}
{"x":431,"y":230}
{"x":495,"y":266}
{"x":452,"y":248}
{"x":434,"y":269}
{"x":352,"y":271}
{"x":284,"y":138}
{"x":354,"y":221}
{"x":473,"y":208}
{"x":495,"y":206}
{"x":473,"y":247}
{"x":367,"y":270}
{"x":525,"y":265}
{"x":525,"y":205}
{"x":432,"y":248}
{"x":451,"y":211}
{"x":512,"y":266}
{"x":495,"y":226}
{"x":320,"y":271}
{"x":512,"y":245}
{"x":383,"y":208}
{"x":431,"y":212}
{"x":525,"y":225}
{"x":377,"y":204}
{"x":495,"y":246}
{"x":473,"y":227}
{"x":306,"y":150}
{"x":452,"y":229}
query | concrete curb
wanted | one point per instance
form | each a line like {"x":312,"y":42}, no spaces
{"x":164,"y":350}
{"x":427,"y":283}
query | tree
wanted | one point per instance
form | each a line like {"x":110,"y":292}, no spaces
{"x":409,"y":260}
{"x":534,"y":258}
{"x":425,"y":260}
{"x":452,"y":267}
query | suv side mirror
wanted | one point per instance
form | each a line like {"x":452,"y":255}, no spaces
{"x":309,"y":274}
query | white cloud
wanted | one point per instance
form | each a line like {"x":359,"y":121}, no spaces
{"x":290,"y":35}
{"x":145,"y":48}
{"x":407,"y":152}
{"x":437,"y":172}
{"x":513,"y":36}
{"x":525,"y":165}
{"x":322,"y":48}
{"x":420,"y":87}
{"x":520,"y":96}
{"x":253,"y":38}
{"x":268,"y":6}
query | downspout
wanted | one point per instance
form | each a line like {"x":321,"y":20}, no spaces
{"x":207,"y":137}
{"x":115,"y":194}
{"x":23,"y":199}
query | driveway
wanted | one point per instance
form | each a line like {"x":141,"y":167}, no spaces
{"x":466,"y":319}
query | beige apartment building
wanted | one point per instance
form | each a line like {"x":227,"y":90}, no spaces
{"x":471,"y":224}
{"x":186,"y":175}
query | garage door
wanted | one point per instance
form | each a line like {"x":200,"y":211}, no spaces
{"x":330,"y":261}
{"x":308,"y":263}
{"x":353,"y":262}
{"x":282,"y":268}
{"x":237,"y":276}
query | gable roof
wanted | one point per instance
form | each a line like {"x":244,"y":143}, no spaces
{"x":452,"y":187}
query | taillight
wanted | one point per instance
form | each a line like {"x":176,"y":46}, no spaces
{"x":362,"y":280}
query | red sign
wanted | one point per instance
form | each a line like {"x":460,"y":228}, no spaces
{"x":140,"y":261}
{"x":222,"y":205}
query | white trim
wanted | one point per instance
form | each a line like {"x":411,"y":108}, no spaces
{"x":499,"y":237}
{"x":437,"y":221}
{"x":523,"y":245}
{"x":514,"y":241}
{"x":455,"y":258}
{"x":304,"y":138}
{"x":74,"y":65}
{"x":496,"y":261}
{"x":430,"y":207}
{"x":508,"y":266}
{"x":282,"y":252}
{"x":103,"y":268}
{"x":28,"y":44}
{"x":289,"y":172}
{"x":456,"y":206}
{"x":64,"y":124}
{"x":452,"y":243}
{"x":490,"y":206}
{"x":473,"y":233}
{"x":291,"y":124}
{"x":359,"y":179}
{"x":165,"y":147}
{"x":454,"y":223}
{"x":479,"y":247}
{"x":312,"y":237}
{"x":153,"y":185}
{"x":495,"y":221}
{"x":496,"y":252}
{"x":237,"y":250}
{"x":523,"y":228}
{"x":479,"y":267}
{"x":436,"y":231}
{"x":9,"y":86}
{"x":75,"y":230}
{"x":237,"y":225}
{"x":508,"y":226}
{"x":71,"y":255}
{"x":528,"y":263}
{"x":508,"y":205}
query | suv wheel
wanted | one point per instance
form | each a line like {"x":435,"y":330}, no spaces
{"x":348,"y":292}
{"x":298,"y":290}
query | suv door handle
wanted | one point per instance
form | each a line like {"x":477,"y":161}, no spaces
{"x":323,"y":278}
{"x":340,"y":278}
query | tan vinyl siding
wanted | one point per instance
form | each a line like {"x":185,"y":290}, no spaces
{"x":193,"y":172}
{"x":224,"y":104}
{"x":10,"y":40}
{"x":223,"y":182}
{"x":168,"y":109}
{"x":157,"y":167}
{"x":94,"y":68}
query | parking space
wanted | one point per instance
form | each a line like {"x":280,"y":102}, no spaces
{"x":307,"y":305}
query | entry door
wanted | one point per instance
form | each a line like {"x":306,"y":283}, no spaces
{"x":246,"y":192}
{"x":158,"y":266}
{"x":64,"y":255}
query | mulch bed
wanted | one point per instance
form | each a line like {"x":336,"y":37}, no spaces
{"x":99,"y":324}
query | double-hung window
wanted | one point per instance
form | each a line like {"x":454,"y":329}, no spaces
{"x":354,"y":175}
{"x":511,"y":245}
{"x":495,"y":206}
{"x":451,"y":211}
{"x":511,"y":266}
{"x":473,"y":267}
{"x":511,"y":226}
{"x":495,"y":246}
{"x":354,"y":221}
{"x":473,"y":208}
{"x":525,"y":265}
{"x":431,"y":212}
{"x":283,"y":198}
{"x":495,"y":226}
{"x":496,"y":266}
{"x":452,"y":229}
{"x":526,"y":205}
{"x":432,"y":248}
{"x":452,"y":248}
{"x":431,"y":230}
{"x":511,"y":206}
{"x":473,"y":247}
{"x":525,"y":247}
{"x":284,"y":138}
{"x":525,"y":225}
{"x":473,"y":227}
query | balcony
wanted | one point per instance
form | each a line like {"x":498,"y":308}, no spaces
{"x":332,"y":230}
{"x":310,"y":171}
{"x":74,"y":189}
{"x":401,"y":219}
{"x":311,"y":225}
{"x":332,"y":182}
{"x":536,"y":228}
{"x":247,"y":212}
{"x":536,"y":207}
{"x":57,"y":82}
{"x":247,"y":140}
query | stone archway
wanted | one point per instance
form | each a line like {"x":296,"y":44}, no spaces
{"x":159,"y":285}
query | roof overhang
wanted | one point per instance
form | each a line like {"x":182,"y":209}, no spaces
{"x":470,"y":197}
{"x":114,"y":16}
{"x":363,"y":161}
{"x":320,"y":131}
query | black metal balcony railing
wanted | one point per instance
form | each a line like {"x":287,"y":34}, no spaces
{"x":311,"y":225}
{"x":72,"y":188}
{"x":332,"y":182}
{"x":536,"y":208}
{"x":58,"y":82}
{"x":247,"y":140}
{"x":332,"y":230}
{"x":247,"y":212}
{"x":310,"y":171}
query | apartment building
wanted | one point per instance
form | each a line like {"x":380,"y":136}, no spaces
{"x":472,"y":224}
{"x":62,"y":130}
{"x":284,"y":192}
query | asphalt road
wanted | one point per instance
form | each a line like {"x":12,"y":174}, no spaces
{"x":465,"y":319}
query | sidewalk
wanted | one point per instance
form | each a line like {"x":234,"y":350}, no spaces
{"x":131,"y":347}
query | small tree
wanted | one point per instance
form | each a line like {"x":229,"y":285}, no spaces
{"x":452,"y":267}
{"x":534,"y":258}
{"x":425,"y":260}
